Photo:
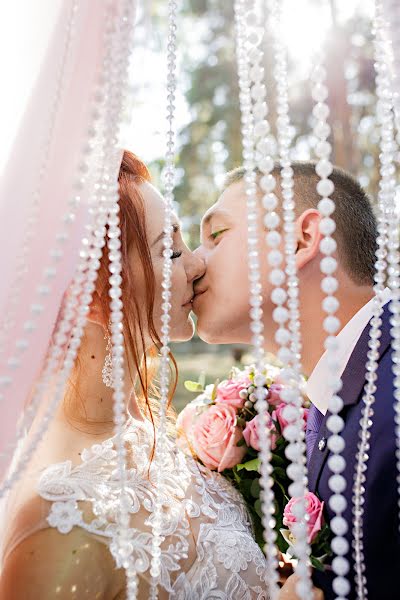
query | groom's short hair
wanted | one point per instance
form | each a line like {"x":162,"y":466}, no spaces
{"x":356,"y":228}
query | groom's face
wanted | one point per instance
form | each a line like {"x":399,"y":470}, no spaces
{"x":222,"y":295}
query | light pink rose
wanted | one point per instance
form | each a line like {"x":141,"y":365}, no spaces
{"x":274,"y":394}
{"x":184,"y":426}
{"x":250,"y":432}
{"x":215,"y":438}
{"x":228,"y":392}
{"x":278,"y":416}
{"x":315,"y":513}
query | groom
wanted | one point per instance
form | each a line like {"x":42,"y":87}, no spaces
{"x":221,"y":306}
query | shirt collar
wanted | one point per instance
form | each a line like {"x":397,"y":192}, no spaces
{"x":317,"y":386}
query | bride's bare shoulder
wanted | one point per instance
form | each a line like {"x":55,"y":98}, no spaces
{"x":48,"y":564}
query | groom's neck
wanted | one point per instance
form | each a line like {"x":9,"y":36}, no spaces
{"x":352,"y":298}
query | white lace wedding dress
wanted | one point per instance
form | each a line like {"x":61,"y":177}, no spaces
{"x":208,"y":550}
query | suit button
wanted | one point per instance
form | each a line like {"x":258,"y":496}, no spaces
{"x":321,"y":444}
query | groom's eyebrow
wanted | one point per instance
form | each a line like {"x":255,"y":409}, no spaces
{"x":213,"y":214}
{"x":175,"y":228}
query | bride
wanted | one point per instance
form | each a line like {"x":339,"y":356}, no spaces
{"x":60,"y":520}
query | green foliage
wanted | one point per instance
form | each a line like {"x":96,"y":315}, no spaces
{"x":193,"y":386}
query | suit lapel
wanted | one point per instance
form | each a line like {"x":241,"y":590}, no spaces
{"x":353,"y":380}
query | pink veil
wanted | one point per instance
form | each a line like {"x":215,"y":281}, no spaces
{"x":43,"y":172}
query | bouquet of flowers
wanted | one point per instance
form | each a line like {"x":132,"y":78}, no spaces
{"x":220,"y":429}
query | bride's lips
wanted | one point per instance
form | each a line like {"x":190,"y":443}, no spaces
{"x":188,"y":303}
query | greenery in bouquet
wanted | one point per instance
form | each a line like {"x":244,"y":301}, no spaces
{"x":220,"y":429}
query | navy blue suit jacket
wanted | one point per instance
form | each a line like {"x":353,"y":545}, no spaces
{"x":381,"y":508}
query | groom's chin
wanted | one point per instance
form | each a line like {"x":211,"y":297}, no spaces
{"x":212,"y":335}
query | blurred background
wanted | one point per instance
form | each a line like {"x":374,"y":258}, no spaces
{"x":208,"y":118}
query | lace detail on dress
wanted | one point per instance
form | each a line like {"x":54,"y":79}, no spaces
{"x":206,"y":526}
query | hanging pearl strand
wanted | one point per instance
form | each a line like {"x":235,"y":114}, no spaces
{"x":387,"y":239}
{"x":392,"y":14}
{"x":32,"y":221}
{"x":331,"y":323}
{"x":161,"y":439}
{"x":293,"y":412}
{"x":250,"y":73}
{"x":117,"y":68}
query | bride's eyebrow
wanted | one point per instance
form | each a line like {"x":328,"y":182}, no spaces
{"x":175,"y":228}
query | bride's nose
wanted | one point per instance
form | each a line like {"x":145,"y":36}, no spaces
{"x":195,"y":267}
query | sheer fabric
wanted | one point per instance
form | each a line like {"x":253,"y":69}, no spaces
{"x":208,"y":549}
{"x":40,"y":177}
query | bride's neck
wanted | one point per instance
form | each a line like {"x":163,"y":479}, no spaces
{"x":88,"y":401}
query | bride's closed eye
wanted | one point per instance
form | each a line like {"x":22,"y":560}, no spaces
{"x":176,"y":254}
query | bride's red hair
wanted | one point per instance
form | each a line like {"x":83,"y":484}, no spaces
{"x":133,"y":172}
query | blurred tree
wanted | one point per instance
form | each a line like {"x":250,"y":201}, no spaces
{"x":210,"y":143}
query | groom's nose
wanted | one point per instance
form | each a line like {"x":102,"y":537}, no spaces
{"x":197,"y":267}
{"x":200,"y":252}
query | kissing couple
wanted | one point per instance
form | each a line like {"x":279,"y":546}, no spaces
{"x":59,"y":522}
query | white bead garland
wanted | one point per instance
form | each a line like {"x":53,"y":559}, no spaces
{"x":251,"y":92}
{"x":387,"y":240}
{"x":331,"y":324}
{"x":391,"y":11}
{"x":288,"y":317}
{"x":33,"y":218}
{"x":155,"y":569}
{"x":117,"y":66}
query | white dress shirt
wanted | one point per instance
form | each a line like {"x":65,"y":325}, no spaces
{"x":317,"y":388}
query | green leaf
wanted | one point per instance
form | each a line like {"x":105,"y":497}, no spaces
{"x":194,"y":386}
{"x":257,"y":507}
{"x":214,"y":392}
{"x":202,"y":379}
{"x":317,"y":564}
{"x":255,"y":488}
{"x":251,"y":465}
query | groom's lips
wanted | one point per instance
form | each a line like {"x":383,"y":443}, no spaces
{"x":198,"y":293}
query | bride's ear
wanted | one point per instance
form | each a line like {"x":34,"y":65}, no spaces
{"x":308,"y":236}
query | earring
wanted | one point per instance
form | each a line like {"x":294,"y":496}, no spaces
{"x":107,"y":371}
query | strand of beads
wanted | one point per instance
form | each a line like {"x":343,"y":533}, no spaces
{"x":33,"y":218}
{"x":161,"y":449}
{"x":331,"y":324}
{"x":391,"y":12}
{"x":250,"y":75}
{"x":291,"y":393}
{"x":387,"y":188}
{"x":117,"y":67}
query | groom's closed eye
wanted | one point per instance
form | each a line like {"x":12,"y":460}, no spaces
{"x":216,"y":234}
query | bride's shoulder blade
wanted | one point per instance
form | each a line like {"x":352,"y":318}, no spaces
{"x":50,"y":565}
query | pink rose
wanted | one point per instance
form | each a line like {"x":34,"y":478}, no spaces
{"x":274,"y":394}
{"x":250,"y":432}
{"x":314,"y":510}
{"x":278,"y":416}
{"x":228,"y":392}
{"x":184,"y":425}
{"x":215,"y":438}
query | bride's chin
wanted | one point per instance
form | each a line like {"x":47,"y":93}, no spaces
{"x":184,"y":331}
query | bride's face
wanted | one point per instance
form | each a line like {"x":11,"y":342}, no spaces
{"x":186,"y":267}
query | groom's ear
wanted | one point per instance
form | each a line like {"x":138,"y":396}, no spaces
{"x":308,"y":236}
